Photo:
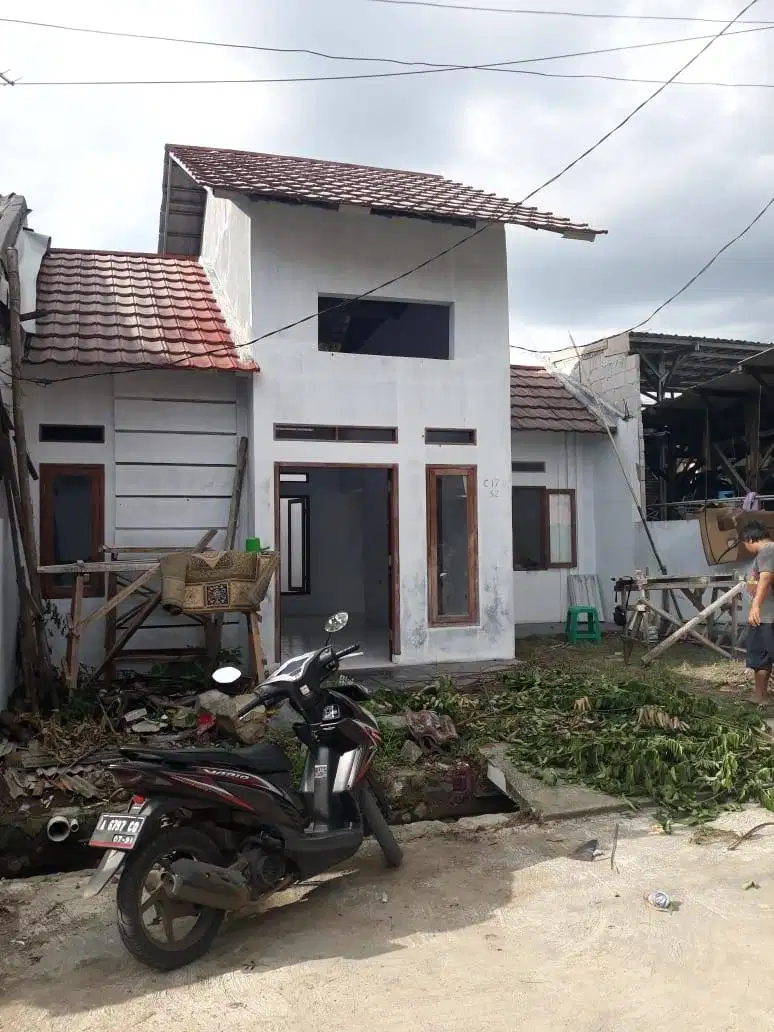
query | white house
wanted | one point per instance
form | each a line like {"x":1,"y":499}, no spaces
{"x":380,"y":425}
{"x":380,"y":428}
{"x":572,"y":509}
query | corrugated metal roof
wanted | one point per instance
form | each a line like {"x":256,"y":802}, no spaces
{"x":539,"y":401}
{"x":333,"y":183}
{"x":123,"y":308}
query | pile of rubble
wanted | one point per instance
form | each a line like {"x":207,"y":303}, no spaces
{"x":45,"y":763}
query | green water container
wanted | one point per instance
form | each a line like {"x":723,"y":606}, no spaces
{"x":252,"y":544}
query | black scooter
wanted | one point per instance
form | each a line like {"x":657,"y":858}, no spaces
{"x":211,"y":830}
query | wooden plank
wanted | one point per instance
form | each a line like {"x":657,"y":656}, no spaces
{"x":694,"y":622}
{"x":257,"y":663}
{"x":175,"y":416}
{"x":139,"y":616}
{"x":176,"y":385}
{"x":170,"y":513}
{"x":134,"y":480}
{"x":732,"y":472}
{"x":752,"y":433}
{"x":209,"y":449}
{"x":213,"y":631}
{"x":74,"y":635}
{"x":116,"y":600}
{"x":668,"y":618}
{"x":122,"y":566}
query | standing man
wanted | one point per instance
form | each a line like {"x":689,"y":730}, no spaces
{"x":760,"y":586}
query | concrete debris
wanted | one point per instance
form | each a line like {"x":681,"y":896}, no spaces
{"x":135,"y":715}
{"x":15,"y":789}
{"x":411,"y":753}
{"x":225,"y":709}
{"x":146,"y":727}
{"x":6,"y":747}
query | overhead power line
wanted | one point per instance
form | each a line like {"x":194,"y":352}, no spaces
{"x":476,"y":232}
{"x":589,"y":15}
{"x":417,"y":67}
{"x":721,"y":250}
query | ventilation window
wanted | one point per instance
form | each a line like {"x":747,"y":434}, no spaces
{"x":294,"y":478}
{"x":437,"y":436}
{"x":528,"y":467}
{"x":360,"y":434}
{"x":66,"y":433}
{"x":399,"y":329}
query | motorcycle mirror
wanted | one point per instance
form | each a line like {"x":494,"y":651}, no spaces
{"x":337,"y":622}
{"x":226,"y":675}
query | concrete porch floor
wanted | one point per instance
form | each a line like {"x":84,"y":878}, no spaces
{"x":407,"y":678}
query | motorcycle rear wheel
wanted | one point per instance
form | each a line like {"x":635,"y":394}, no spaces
{"x":375,"y":822}
{"x":172,"y":843}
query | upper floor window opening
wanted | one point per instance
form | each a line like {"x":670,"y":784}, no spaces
{"x":398,"y":329}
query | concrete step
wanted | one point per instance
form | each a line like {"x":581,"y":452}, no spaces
{"x":547,"y":802}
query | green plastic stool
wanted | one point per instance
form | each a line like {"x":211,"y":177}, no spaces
{"x":577,"y":629}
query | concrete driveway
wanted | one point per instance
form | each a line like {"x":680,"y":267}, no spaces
{"x":487,"y":926}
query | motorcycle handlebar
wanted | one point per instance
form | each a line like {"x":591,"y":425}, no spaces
{"x":348,"y":651}
{"x":267,"y":695}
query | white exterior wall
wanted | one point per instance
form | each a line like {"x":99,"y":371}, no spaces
{"x":540,"y":596}
{"x":225,"y":255}
{"x":299,"y":253}
{"x":169,"y":454}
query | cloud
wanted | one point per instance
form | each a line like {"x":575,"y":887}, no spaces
{"x":671,"y":187}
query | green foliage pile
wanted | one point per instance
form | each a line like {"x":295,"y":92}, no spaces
{"x":645,"y":741}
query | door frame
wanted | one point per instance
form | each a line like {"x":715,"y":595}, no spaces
{"x":393,"y":527}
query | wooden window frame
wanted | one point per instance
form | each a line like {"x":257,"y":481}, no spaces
{"x":94,"y":586}
{"x":470,"y":473}
{"x":545,"y":538}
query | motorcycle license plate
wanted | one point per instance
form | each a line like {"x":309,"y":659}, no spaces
{"x":116,"y":831}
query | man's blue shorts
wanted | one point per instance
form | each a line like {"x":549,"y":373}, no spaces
{"x":760,"y":647}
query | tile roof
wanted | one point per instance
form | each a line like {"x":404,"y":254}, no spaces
{"x":331,"y":183}
{"x":116,"y":308}
{"x":540,"y":401}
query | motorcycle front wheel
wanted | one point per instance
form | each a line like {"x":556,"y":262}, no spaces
{"x":158,"y":931}
{"x":375,"y":822}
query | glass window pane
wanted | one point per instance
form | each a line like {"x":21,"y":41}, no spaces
{"x":71,"y":496}
{"x":528,"y":529}
{"x":296,"y":534}
{"x":560,"y":528}
{"x":452,"y":536}
{"x":283,"y":544}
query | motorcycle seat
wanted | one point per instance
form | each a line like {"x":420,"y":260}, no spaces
{"x":263,"y":758}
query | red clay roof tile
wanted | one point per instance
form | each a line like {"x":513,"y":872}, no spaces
{"x":540,"y":401}
{"x":312,"y":180}
{"x":115,"y":308}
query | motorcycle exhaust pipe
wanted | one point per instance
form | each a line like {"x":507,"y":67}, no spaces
{"x":60,"y":828}
{"x":191,"y":881}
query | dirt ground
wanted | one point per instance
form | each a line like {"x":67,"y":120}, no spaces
{"x":489,"y":925}
{"x":688,"y":666}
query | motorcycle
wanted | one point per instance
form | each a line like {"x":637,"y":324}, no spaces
{"x":209,"y":831}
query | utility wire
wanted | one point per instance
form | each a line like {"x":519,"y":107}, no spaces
{"x":597,"y":15}
{"x":721,"y":250}
{"x":422,"y":67}
{"x":392,"y":75}
{"x":469,"y":236}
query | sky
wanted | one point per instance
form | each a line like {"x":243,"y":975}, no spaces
{"x":678,"y":181}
